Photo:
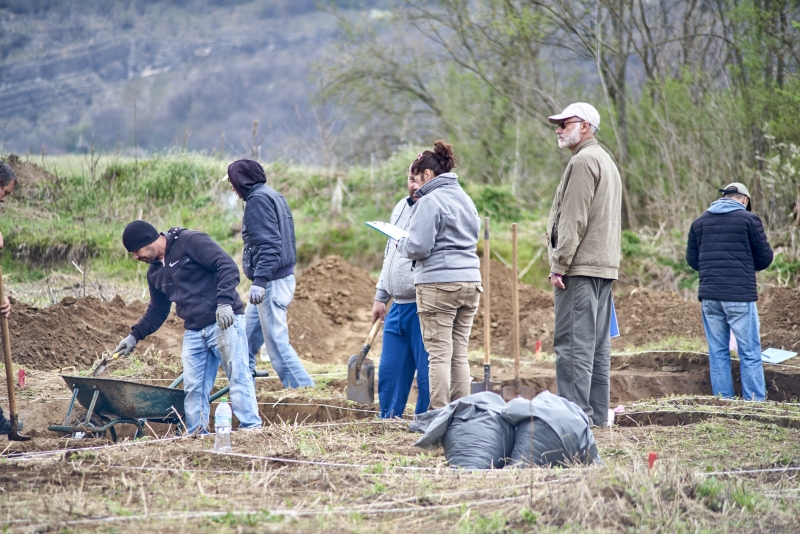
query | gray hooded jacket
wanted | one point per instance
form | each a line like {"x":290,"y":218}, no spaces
{"x":443,"y":234}
{"x":397,"y":277}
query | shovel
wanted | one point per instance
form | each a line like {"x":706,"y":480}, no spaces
{"x":361,"y":371}
{"x":516,"y":390}
{"x":101,"y":367}
{"x":486,"y":384}
{"x":13,"y":434}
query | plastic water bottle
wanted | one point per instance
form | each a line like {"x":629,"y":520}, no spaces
{"x":223,"y":419}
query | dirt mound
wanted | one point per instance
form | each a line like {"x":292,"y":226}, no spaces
{"x":28,"y":174}
{"x":535,"y":309}
{"x":330,"y":316}
{"x":780,"y":318}
{"x":647,"y":315}
{"x":76,"y":331}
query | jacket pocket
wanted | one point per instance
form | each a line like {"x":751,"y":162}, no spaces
{"x":448,"y":295}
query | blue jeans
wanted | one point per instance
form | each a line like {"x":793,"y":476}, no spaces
{"x":203,"y":351}
{"x":402,"y":355}
{"x":267,"y":321}
{"x":719,"y":319}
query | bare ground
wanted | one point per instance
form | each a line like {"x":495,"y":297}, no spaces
{"x":366,"y":476}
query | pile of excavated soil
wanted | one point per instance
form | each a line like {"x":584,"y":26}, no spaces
{"x":76,"y":332}
{"x":646,"y":315}
{"x":780,"y":318}
{"x":28,"y":174}
{"x":330,"y":316}
{"x":535,"y":310}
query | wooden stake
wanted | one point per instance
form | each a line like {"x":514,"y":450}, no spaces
{"x":515,"y":302}
{"x":487,"y":321}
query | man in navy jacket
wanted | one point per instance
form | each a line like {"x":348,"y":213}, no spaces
{"x":727,"y":245}
{"x":268,"y":260}
{"x":191,"y":270}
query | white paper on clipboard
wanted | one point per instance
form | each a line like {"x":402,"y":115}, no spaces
{"x":387,"y":229}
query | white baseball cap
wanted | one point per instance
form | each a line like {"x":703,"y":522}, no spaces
{"x":582,"y":110}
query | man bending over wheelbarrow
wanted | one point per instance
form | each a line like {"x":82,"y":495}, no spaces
{"x":191,"y":270}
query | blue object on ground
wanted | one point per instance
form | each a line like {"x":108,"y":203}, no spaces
{"x":777,"y":355}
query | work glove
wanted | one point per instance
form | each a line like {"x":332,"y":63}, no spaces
{"x":256,"y":295}
{"x":126,"y":346}
{"x":225,"y":316}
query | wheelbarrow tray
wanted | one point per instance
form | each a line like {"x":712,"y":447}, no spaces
{"x":130,"y":400}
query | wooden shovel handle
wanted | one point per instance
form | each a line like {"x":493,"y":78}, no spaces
{"x":12,"y":400}
{"x":368,"y":344}
{"x":515,"y":297}
{"x":487,"y":316}
{"x":373,"y":332}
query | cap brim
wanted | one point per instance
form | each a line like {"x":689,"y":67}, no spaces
{"x":555,"y":119}
{"x":225,"y":178}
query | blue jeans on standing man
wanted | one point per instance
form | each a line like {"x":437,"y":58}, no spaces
{"x":203,"y":352}
{"x":719,"y":319}
{"x":267,"y":321}
{"x":402,"y":355}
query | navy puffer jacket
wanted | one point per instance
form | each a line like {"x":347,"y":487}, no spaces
{"x":727,"y":245}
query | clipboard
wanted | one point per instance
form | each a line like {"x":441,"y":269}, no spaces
{"x":388,"y":230}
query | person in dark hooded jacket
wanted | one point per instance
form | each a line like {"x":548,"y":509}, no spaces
{"x":268,"y":260}
{"x":727,"y":245}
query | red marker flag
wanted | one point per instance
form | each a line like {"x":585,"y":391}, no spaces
{"x":651,"y":459}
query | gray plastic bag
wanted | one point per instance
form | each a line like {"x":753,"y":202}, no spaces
{"x":471,"y":431}
{"x":550,"y":430}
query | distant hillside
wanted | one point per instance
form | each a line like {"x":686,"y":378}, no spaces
{"x":197,"y":70}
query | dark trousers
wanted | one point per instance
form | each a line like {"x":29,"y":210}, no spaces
{"x":582,"y":344}
{"x":402,"y":355}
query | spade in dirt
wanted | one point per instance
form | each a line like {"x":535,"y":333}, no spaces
{"x":486,"y":384}
{"x":13,"y":434}
{"x":101,"y":366}
{"x":361,"y":371}
{"x":517,"y":389}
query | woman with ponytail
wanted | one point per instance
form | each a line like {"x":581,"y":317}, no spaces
{"x":443,"y":234}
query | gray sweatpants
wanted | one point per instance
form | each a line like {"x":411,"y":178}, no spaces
{"x":582,"y":344}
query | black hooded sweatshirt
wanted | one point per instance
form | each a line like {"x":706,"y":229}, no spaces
{"x":267,"y":228}
{"x":197,"y":275}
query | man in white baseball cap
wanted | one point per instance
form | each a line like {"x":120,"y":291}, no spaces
{"x":583,"y":244}
{"x":579,"y":112}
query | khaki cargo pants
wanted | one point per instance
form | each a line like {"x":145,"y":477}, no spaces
{"x":445,"y":314}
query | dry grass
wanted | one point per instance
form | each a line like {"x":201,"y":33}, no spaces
{"x":367,"y":476}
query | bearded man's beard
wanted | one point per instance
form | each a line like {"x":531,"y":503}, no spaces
{"x":571,"y":139}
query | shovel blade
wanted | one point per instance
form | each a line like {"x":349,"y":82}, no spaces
{"x":101,"y":367}
{"x":361,"y":384}
{"x":13,"y":434}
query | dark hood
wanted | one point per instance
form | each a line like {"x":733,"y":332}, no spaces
{"x":245,"y":174}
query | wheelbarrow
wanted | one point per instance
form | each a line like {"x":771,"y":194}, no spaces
{"x":110,"y":402}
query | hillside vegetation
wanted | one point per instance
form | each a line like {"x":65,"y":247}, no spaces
{"x":73,"y":216}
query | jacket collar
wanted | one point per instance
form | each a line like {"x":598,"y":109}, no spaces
{"x":448,"y":178}
{"x":583,"y":144}
{"x":253,"y":190}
